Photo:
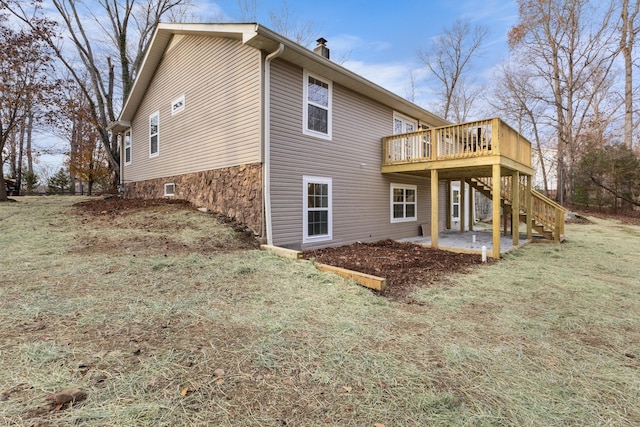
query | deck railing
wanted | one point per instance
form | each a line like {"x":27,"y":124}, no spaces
{"x":544,"y":211}
{"x":467,"y":140}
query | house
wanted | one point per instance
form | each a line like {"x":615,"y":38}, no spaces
{"x":308,"y":154}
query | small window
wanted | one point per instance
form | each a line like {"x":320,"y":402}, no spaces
{"x":177,"y":105}
{"x":154,"y":134}
{"x":317,"y":106}
{"x":317,"y":215}
{"x":403,"y":203}
{"x":169,"y":189}
{"x":127,"y":147}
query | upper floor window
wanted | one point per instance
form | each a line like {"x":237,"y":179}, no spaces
{"x":154,"y":134}
{"x":317,"y":106}
{"x":127,"y":147}
{"x":177,"y":105}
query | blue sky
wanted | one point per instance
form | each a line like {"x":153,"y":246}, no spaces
{"x":381,"y":38}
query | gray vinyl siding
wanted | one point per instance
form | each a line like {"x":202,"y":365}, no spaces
{"x":352,"y":159}
{"x":221,"y":124}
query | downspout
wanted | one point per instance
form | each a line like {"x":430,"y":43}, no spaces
{"x":266,"y":169}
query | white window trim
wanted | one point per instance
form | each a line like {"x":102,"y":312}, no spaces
{"x":305,"y":108}
{"x":169,"y":189}
{"x":404,"y":187}
{"x":305,"y":209}
{"x":179,"y":100}
{"x":157,"y":153}
{"x":130,"y":146}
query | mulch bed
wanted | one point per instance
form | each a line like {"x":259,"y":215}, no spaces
{"x":406,"y":266}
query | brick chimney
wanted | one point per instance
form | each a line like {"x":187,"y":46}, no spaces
{"x":322,"y":49}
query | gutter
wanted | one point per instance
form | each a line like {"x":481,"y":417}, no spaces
{"x":266,"y":169}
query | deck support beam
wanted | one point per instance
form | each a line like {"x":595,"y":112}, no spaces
{"x":463,"y":205}
{"x":434,"y":208}
{"x":515,"y":208}
{"x":472,"y":208}
{"x":495,"y":198}
{"x":529,"y":205}
{"x":448,"y":224}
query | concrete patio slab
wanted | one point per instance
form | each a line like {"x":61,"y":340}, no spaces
{"x":466,"y":242}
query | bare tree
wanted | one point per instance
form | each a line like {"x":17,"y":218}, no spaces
{"x":23,"y":83}
{"x":129,"y":26}
{"x":449,"y":58}
{"x":565,"y":41}
{"x":301,"y":32}
{"x":248,"y":10}
{"x":515,"y":97}
{"x":629,"y":29}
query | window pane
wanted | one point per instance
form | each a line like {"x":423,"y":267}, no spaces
{"x":397,"y":126}
{"x":127,"y":154}
{"x":153,"y":125}
{"x":318,"y":223}
{"x":154,"y":144}
{"x":410,"y":196}
{"x":398,"y":195}
{"x":410,"y":210}
{"x":456,"y":211}
{"x":318,"y":119}
{"x":398,"y":211}
{"x":318,"y":92}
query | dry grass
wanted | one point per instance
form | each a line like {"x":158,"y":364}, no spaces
{"x":140,"y":309}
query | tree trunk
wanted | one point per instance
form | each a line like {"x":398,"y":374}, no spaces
{"x":29,"y":139}
{"x":3,"y":186}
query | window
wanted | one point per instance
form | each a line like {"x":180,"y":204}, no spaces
{"x":455,"y":204}
{"x":317,"y":107}
{"x":127,"y":147}
{"x":169,"y":189}
{"x":403,"y":124}
{"x":154,"y":134}
{"x":403,"y":203}
{"x":317,"y":220}
{"x":177,"y":105}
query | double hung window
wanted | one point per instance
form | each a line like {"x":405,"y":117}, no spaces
{"x":317,"y":215}
{"x":154,"y":134}
{"x":403,"y":203}
{"x":317,"y":106}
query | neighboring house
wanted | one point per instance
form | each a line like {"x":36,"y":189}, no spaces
{"x":239,"y":119}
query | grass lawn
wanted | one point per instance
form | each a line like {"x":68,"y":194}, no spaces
{"x":162,"y":317}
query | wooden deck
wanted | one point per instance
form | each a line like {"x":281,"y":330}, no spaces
{"x":490,"y":156}
{"x":462,"y":150}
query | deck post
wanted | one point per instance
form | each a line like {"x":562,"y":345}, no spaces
{"x":462,"y":205}
{"x":448,"y":205}
{"x":495,"y":198}
{"x":529,"y":204}
{"x":515,"y":207}
{"x":472,"y":208}
{"x":434,"y":208}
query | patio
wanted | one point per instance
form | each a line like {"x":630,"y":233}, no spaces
{"x":456,"y":241}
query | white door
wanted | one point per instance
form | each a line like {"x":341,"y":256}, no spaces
{"x":402,"y":124}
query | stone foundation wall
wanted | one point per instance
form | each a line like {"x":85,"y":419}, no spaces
{"x":235,"y":192}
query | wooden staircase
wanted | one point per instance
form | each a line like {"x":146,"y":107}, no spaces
{"x":547,"y":216}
